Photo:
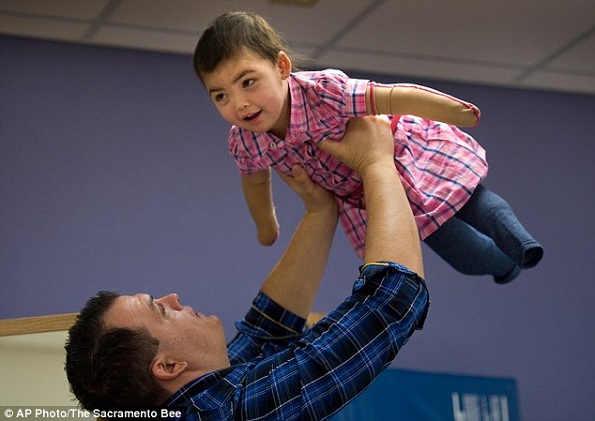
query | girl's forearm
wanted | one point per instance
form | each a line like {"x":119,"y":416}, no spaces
{"x":421,"y":101}
{"x":258,"y":193}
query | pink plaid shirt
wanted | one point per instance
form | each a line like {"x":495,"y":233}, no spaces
{"x":439,"y":164}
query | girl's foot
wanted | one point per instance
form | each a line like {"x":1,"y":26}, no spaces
{"x":531,"y":254}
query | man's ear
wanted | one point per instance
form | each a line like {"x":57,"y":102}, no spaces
{"x":167,"y":369}
{"x":284,"y":64}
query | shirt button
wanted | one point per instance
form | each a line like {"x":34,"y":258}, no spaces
{"x":273,"y":145}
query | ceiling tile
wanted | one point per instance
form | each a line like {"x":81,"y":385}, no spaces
{"x":192,"y":15}
{"x":180,"y":15}
{"x":42,"y":28}
{"x":507,"y":31}
{"x":580,"y":58}
{"x":313,"y":25}
{"x":546,"y":44}
{"x":71,"y":9}
{"x":146,"y":39}
{"x":420,"y":68}
{"x":561,"y":82}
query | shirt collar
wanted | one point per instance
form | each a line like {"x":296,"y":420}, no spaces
{"x":209,"y":391}
{"x":301,"y":118}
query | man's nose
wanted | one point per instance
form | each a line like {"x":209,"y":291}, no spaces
{"x":172,"y":300}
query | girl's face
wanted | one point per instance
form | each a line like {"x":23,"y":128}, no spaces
{"x":251,"y":92}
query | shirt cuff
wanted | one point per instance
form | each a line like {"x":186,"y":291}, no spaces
{"x":356,"y":105}
{"x":266,"y":319}
{"x":370,"y":274}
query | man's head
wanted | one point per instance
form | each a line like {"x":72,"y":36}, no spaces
{"x":135,"y":351}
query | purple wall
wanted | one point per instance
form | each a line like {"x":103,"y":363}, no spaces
{"x":114,"y":174}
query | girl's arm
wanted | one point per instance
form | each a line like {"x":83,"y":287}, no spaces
{"x":421,"y":101}
{"x":258,"y":193}
{"x":295,"y":280}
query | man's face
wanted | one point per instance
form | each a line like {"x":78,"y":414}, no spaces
{"x":183,"y":334}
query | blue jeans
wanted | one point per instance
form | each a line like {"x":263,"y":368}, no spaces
{"x":486,"y":238}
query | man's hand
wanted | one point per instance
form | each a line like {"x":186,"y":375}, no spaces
{"x":367,"y":141}
{"x":315,"y":198}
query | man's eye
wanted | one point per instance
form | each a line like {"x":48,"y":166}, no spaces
{"x":161,"y":309}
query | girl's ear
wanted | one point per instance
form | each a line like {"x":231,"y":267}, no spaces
{"x":284,"y":64}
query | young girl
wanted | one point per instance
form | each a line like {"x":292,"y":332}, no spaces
{"x":278,"y":117}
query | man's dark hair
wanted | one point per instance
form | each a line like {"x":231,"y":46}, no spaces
{"x":110,"y":368}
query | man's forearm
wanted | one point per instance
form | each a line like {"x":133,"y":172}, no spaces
{"x":391,"y":233}
{"x":294,"y":281}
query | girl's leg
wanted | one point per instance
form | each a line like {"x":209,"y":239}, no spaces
{"x":471,"y":252}
{"x":493,"y":216}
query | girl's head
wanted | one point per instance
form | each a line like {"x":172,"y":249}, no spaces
{"x":240,"y":60}
{"x":231,"y":33}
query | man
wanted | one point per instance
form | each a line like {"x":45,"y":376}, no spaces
{"x":141,"y":352}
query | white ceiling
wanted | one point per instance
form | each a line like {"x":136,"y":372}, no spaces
{"x":537,"y":44}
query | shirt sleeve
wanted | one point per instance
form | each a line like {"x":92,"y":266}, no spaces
{"x":242,"y":146}
{"x":266,"y":329}
{"x":338,"y":358}
{"x":342,"y":93}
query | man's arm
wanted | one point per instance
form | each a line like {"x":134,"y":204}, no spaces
{"x":319,"y":372}
{"x":391,"y":233}
{"x":287,"y":294}
{"x":294,"y":281}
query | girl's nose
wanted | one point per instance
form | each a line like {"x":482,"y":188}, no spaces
{"x":242,"y":104}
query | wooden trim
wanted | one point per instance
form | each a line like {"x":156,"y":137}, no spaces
{"x":37,"y":324}
{"x":314,"y":318}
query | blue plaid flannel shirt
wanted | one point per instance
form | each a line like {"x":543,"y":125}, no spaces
{"x":281,"y":372}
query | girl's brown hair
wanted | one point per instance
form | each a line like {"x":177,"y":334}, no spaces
{"x":231,"y":32}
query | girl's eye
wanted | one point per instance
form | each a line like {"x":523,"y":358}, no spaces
{"x":219,"y":97}
{"x":247,"y":83}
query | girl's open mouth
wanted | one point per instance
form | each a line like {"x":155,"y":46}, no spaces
{"x":251,"y":117}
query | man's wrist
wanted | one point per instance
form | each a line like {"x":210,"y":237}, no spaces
{"x":380,"y":169}
{"x":327,"y":208}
